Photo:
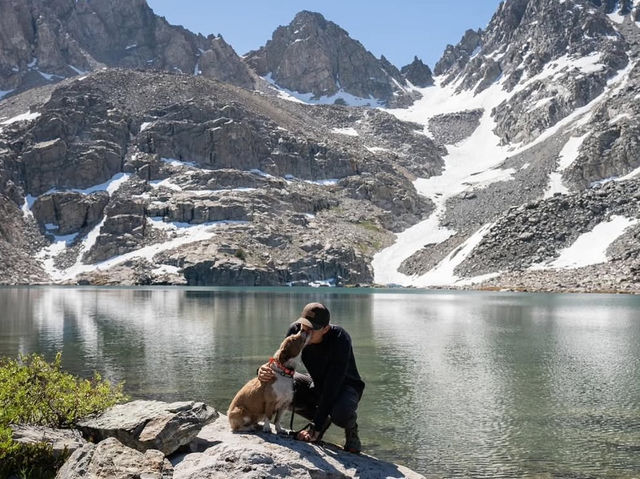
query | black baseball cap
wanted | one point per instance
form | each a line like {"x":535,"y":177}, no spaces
{"x":314,"y":316}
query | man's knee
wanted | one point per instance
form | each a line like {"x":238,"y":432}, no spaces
{"x":344,"y":412}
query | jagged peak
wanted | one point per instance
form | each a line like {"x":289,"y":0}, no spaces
{"x":314,"y":55}
{"x":307,"y":16}
{"x":66,"y":38}
{"x":524,"y":35}
{"x":417,"y":73}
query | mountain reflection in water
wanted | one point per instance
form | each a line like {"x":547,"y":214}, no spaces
{"x":459,"y":384}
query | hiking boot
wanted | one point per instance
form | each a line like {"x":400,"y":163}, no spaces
{"x":352,"y":443}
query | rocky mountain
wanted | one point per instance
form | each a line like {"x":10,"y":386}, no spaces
{"x":538,"y":114}
{"x":127,"y":176}
{"x":516,"y":166}
{"x":45,"y":41}
{"x":315,"y":56}
{"x":417,"y":73}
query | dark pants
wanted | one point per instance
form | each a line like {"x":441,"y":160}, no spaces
{"x":342,"y":413}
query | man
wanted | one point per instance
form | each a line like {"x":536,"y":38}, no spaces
{"x":332,"y":389}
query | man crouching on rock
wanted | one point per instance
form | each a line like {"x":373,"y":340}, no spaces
{"x":332,"y":389}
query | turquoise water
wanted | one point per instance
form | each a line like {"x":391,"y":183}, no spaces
{"x":459,"y":384}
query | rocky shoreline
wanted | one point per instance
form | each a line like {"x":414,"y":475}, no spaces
{"x":189,"y":440}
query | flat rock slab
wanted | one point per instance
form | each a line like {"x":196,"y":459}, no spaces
{"x":254,"y":455}
{"x":61,"y":440}
{"x":111,"y":459}
{"x":145,"y":425}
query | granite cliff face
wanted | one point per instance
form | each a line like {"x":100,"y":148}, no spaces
{"x":171,"y":178}
{"x":545,"y":153}
{"x":524,"y":146}
{"x":417,"y":73}
{"x":42,"y":42}
{"x":313,"y":55}
{"x":554,"y":56}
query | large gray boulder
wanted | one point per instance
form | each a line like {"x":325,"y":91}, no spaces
{"x":110,"y":459}
{"x":61,"y":440}
{"x":145,"y":425}
{"x":227,"y":454}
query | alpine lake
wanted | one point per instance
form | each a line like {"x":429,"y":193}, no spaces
{"x":459,"y":384}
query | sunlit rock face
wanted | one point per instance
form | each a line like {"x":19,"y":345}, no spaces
{"x":315,"y":55}
{"x":525,"y":140}
{"x":42,"y":42}
{"x":554,"y":57}
{"x":130,"y":177}
{"x":417,"y":73}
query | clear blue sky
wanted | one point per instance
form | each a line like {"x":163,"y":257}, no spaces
{"x":398,"y":30}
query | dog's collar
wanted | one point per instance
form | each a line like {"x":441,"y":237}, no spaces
{"x":281,"y":368}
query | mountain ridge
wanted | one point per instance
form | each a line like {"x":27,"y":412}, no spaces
{"x":314,"y":55}
{"x":524,"y":144}
{"x":46,"y":41}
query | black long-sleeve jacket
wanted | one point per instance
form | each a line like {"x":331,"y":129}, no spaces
{"x":332,"y":366}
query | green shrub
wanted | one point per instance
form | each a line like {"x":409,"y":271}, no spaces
{"x":32,"y":461}
{"x":36,"y":392}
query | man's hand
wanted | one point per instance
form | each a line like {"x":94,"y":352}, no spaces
{"x":307,"y":435}
{"x":266,"y":374}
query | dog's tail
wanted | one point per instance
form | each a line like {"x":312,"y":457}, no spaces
{"x":237,"y":418}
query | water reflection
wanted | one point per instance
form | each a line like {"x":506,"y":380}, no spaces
{"x":458,"y":384}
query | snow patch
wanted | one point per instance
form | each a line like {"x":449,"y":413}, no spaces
{"x":311,"y":99}
{"x":255,"y":171}
{"x":443,"y":274}
{"x":328,"y":182}
{"x":77,"y":70}
{"x":567,"y":156}
{"x":633,"y":174}
{"x":540,"y":103}
{"x":49,"y":253}
{"x":27,"y":205}
{"x":166,"y":183}
{"x":166,"y":269}
{"x":590,"y":248}
{"x":615,"y":15}
{"x":621,"y":116}
{"x":110,"y":186}
{"x":4,"y":93}
{"x":476,"y":161}
{"x":172,"y":162}
{"x":49,"y":76}
{"x":23,"y":117}
{"x":346,"y":131}
{"x":184,"y":234}
{"x":459,"y":175}
{"x":377,"y":149}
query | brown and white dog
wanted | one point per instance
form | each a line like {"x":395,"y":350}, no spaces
{"x":257,"y":401}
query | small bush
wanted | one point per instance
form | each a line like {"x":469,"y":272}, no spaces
{"x":241,"y":254}
{"x":36,"y":392}
{"x":29,"y":461}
